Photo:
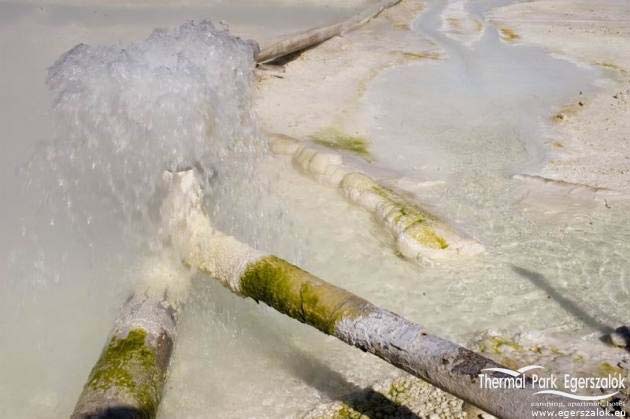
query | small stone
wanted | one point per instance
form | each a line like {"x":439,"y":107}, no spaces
{"x":618,"y":339}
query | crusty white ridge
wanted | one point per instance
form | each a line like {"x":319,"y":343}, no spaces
{"x":418,"y":234}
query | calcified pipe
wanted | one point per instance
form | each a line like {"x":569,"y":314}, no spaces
{"x":128,"y":378}
{"x":332,"y":310}
{"x":419,"y":235}
{"x":297,"y":42}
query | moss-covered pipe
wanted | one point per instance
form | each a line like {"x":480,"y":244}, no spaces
{"x":299,"y":294}
{"x":333,"y":310}
{"x":402,"y":343}
{"x":128,"y":378}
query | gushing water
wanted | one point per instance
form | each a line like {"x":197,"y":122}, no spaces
{"x":125,"y":114}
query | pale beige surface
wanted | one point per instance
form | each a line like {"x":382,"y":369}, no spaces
{"x":590,"y":143}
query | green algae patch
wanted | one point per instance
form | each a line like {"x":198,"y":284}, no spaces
{"x":338,"y":140}
{"x":496,"y":344}
{"x":579,"y":359}
{"x":426,"y":236}
{"x":419,"y":56}
{"x":346,"y":412}
{"x":299,"y":294}
{"x":411,"y":219}
{"x":611,"y":66}
{"x":128,"y":365}
{"x":402,"y":211}
{"x":399,"y":392}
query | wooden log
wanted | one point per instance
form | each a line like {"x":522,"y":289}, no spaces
{"x":333,"y":310}
{"x":128,"y":378}
{"x":300,"y":41}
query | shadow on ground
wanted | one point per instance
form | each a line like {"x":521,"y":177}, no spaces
{"x":567,"y":304}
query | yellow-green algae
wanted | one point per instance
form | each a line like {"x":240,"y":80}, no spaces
{"x":346,"y":412}
{"x":611,"y":66}
{"x":605,"y":369}
{"x":495,"y":344}
{"x":424,"y":55}
{"x":299,"y":294}
{"x":415,"y":222}
{"x":428,"y":237}
{"x":509,"y":34}
{"x":338,"y":140}
{"x":128,"y":365}
{"x":398,"y":392}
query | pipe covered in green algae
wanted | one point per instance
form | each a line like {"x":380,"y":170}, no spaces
{"x":335,"y":311}
{"x":128,"y":378}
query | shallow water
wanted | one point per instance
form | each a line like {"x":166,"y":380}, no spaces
{"x":473,"y":120}
{"x":120,"y":116}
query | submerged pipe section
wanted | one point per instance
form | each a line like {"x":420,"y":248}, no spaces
{"x":330,"y":309}
{"x":128,"y":378}
{"x":419,"y":234}
{"x":300,"y":41}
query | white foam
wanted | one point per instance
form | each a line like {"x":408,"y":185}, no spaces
{"x":126,"y":113}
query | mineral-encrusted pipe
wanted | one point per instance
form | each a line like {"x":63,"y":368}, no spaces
{"x":418,"y":234}
{"x":128,"y":378}
{"x":330,"y":309}
{"x":311,"y":37}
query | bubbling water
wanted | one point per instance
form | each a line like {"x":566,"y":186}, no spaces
{"x":124,"y":114}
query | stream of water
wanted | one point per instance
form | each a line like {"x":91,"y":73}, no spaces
{"x":122,"y":113}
